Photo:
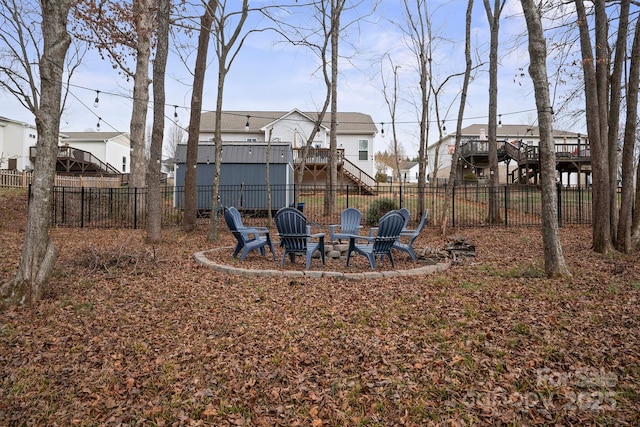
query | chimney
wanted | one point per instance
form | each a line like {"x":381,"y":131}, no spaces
{"x":483,"y":135}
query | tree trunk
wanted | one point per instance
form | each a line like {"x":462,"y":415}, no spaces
{"x":154,"y":189}
{"x":330,"y":198}
{"x":613,"y":123}
{"x":38,"y":252}
{"x":554,"y":263}
{"x":267,"y":170}
{"x":596,"y":113}
{"x":223,"y":49}
{"x":494,"y":24}
{"x":448,"y":195}
{"x":217,"y":137}
{"x":190,"y":185}
{"x":630,"y":132}
{"x":144,"y":29}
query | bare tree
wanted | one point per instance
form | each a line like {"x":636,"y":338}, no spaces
{"x":463,"y":100}
{"x":391,"y":99}
{"x":628,"y":240}
{"x":554,"y":263}
{"x":200,"y":69}
{"x":419,"y":32}
{"x":596,"y":75}
{"x":324,"y":41}
{"x":493,"y":16}
{"x":44,"y":100}
{"x":229,"y":39}
{"x":120,"y":30}
{"x":154,"y":219}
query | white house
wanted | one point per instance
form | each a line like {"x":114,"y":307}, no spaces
{"x":112,"y":148}
{"x":355,"y":135}
{"x":440,"y":152}
{"x":15,"y":139}
{"x":409,"y":171}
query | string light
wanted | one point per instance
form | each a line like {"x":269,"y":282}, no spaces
{"x":98,"y":92}
{"x":175,"y":111}
{"x":444,"y":127}
{"x":98,"y":124}
{"x":382,"y":131}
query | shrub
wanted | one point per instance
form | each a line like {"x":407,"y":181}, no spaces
{"x":377,"y":208}
{"x":381,"y":177}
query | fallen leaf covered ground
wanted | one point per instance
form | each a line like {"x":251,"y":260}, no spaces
{"x":134,"y":334}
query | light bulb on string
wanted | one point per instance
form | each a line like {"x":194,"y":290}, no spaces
{"x":175,"y":112}
{"x":246,"y":126}
{"x":97,"y":100}
{"x":444,"y":127}
{"x":382,"y":131}
{"x":98,"y":124}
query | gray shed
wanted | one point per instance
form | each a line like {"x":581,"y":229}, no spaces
{"x":242,"y":175}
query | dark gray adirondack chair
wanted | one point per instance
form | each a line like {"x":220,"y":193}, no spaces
{"x":412,"y":235}
{"x":296,"y":237}
{"x":379,"y":245}
{"x":406,"y":215}
{"x":349,"y":225}
{"x":249,"y":238}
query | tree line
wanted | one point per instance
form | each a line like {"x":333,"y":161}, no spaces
{"x":43,"y":43}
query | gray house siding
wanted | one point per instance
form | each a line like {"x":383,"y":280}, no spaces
{"x":242,"y":176}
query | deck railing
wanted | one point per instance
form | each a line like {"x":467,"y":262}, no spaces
{"x":22,"y":179}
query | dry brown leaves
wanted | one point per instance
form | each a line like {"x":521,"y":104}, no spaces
{"x":135,"y":334}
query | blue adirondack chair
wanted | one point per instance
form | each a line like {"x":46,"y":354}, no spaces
{"x":349,"y":225}
{"x":405,"y":214}
{"x":249,"y":238}
{"x":412,"y":235}
{"x":296,"y":237}
{"x":381,"y":243}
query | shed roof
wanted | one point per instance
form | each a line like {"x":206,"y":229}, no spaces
{"x":244,"y":153}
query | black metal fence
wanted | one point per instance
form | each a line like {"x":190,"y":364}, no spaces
{"x":126,"y":207}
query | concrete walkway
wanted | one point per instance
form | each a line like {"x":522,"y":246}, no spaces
{"x":201,"y":258}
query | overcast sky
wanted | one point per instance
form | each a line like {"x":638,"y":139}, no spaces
{"x":271,"y":75}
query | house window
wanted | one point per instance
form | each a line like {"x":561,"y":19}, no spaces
{"x":363,"y":149}
{"x":252,"y":140}
{"x":124,"y":164}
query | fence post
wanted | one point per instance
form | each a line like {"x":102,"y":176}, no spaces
{"x":135,"y":208}
{"x":347,"y":195}
{"x":400,"y":201}
{"x":81,"y":207}
{"x":580,"y":204}
{"x":559,"y":194}
{"x":453,"y":206}
{"x":506,"y":205}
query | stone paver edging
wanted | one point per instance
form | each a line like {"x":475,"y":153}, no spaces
{"x":201,"y":258}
